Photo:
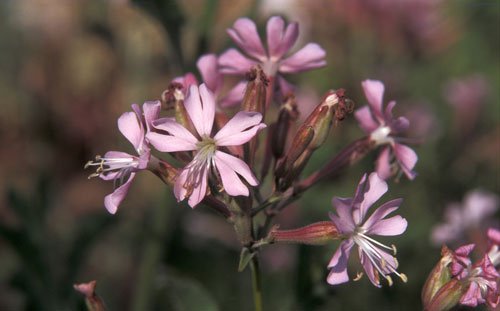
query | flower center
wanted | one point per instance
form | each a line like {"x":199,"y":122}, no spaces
{"x":381,"y":135}
{"x":120,"y":168}
{"x":202,"y":162}
{"x":383,"y":262}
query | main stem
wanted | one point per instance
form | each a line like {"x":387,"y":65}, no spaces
{"x":256,"y":283}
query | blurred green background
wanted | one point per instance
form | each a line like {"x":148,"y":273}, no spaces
{"x":68,"y":69}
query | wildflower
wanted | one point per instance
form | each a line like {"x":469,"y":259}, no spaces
{"x":121,"y":167}
{"x":356,"y":230}
{"x":213,"y":78}
{"x":479,"y":279}
{"x":280,"y":40}
{"x":494,"y":252}
{"x":477,"y":207}
{"x":192,"y":181}
{"x":382,"y":128}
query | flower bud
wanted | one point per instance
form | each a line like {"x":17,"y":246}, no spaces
{"x":93,"y":302}
{"x":446,"y":297}
{"x":254,"y":99}
{"x":439,"y":276}
{"x":288,"y":114}
{"x":309,"y":137}
{"x":318,"y":233}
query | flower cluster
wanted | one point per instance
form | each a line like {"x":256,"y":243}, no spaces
{"x":221,"y":159}
{"x":456,"y":280}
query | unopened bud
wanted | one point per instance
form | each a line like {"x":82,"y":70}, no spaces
{"x":447,"y":297}
{"x":318,"y":233}
{"x":288,"y":114}
{"x":438,"y":278}
{"x":254,"y":99}
{"x":93,"y":302}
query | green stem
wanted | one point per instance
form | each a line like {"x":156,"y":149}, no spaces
{"x":151,"y":257}
{"x":256,"y":283}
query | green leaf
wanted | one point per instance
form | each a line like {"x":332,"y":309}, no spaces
{"x":245,"y":257}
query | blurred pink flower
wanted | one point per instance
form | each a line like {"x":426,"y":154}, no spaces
{"x":121,"y":167}
{"x":280,"y":40}
{"x":351,"y":223}
{"x":466,"y":96}
{"x":213,"y":78}
{"x":192,"y":180}
{"x":477,"y":207}
{"x":382,"y":128}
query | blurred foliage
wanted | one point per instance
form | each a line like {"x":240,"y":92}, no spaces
{"x":68,"y":70}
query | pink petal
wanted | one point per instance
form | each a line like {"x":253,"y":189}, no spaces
{"x":279,"y":40}
{"x":472,"y":296}
{"x":200,"y":106}
{"x":131,"y":127}
{"x":338,"y":264}
{"x":186,"y":80}
{"x":309,"y":57}
{"x":238,"y":166}
{"x":235,"y":95}
{"x":344,"y":221}
{"x":384,"y":210}
{"x":407,"y":159}
{"x":231,"y":182}
{"x":374,"y":92}
{"x":395,"y":225}
{"x":286,"y":87}
{"x":168,"y":143}
{"x":365,"y":120}
{"x":369,"y":268}
{"x":244,"y":34}
{"x":383,"y":165}
{"x":240,"y":129}
{"x":175,"y":129}
{"x":151,"y":112}
{"x":209,"y":69}
{"x":233,"y":62}
{"x":113,"y":200}
{"x":198,"y":193}
{"x":375,"y":188}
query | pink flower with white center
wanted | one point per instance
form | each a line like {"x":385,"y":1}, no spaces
{"x":213,"y":78}
{"x":119,"y":166}
{"x":480,"y":279}
{"x":280,"y":40}
{"x":193,"y":179}
{"x":382,"y":128}
{"x":478,"y":206}
{"x":356,"y":229}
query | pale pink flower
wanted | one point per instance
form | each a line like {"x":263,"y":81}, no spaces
{"x":192,"y":181}
{"x":280,"y":40}
{"x":494,"y":251}
{"x":383,"y":129}
{"x":121,"y":167}
{"x":477,"y":207}
{"x":354,"y":225}
{"x":213,"y":78}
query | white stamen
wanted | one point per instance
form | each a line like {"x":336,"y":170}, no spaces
{"x":381,"y":136}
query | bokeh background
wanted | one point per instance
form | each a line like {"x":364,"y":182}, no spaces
{"x":68,"y":69}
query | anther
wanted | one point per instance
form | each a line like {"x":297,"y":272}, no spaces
{"x":358,"y":277}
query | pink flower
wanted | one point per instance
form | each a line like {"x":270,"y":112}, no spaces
{"x":193,"y":179}
{"x":213,"y":78}
{"x":351,"y":223}
{"x":382,"y":128}
{"x":494,"y":252}
{"x":280,"y":40}
{"x":480,"y":279}
{"x":477,"y":207}
{"x":119,"y":166}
